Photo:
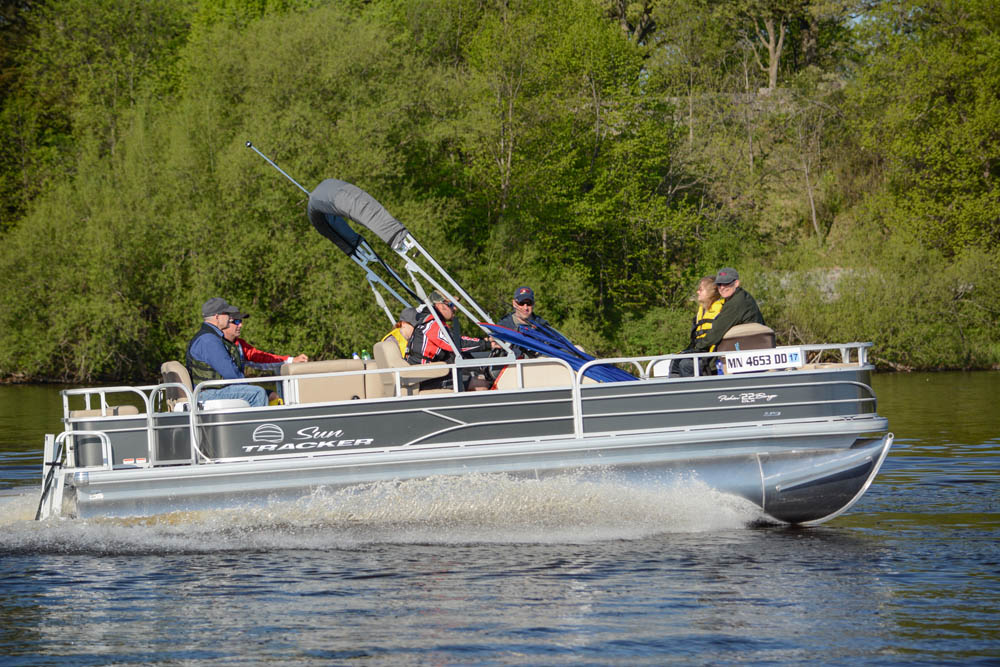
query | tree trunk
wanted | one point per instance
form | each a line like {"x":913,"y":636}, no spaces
{"x":774,"y":41}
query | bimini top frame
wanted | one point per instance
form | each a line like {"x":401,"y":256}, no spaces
{"x":333,"y":203}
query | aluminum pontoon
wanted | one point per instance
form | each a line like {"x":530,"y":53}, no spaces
{"x":792,"y":429}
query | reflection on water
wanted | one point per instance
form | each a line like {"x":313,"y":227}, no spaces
{"x":941,"y":409}
{"x":539,"y":572}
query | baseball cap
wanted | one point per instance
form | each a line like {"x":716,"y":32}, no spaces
{"x":215,"y":306}
{"x":524,"y":294}
{"x":409,"y":315}
{"x":726,"y":276}
{"x":437,"y":297}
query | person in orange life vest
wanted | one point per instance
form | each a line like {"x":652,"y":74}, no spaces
{"x":430,"y":343}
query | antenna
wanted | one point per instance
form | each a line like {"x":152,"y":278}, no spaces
{"x":271,"y":162}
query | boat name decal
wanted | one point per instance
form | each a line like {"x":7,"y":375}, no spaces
{"x":747,"y":397}
{"x":313,"y":438}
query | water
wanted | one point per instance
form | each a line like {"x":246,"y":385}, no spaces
{"x":488,"y":571}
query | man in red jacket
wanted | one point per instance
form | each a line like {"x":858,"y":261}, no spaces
{"x":255,"y":358}
{"x":266,"y":361}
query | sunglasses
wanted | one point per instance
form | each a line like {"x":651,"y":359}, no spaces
{"x":529,"y":302}
{"x":236,"y":321}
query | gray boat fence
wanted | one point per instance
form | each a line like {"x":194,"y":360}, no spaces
{"x":151,"y":399}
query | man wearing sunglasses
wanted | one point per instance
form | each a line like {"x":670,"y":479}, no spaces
{"x":523,"y":316}
{"x":252,"y":356}
{"x":210,"y":356}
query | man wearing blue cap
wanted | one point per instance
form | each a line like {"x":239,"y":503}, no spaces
{"x":523,"y":315}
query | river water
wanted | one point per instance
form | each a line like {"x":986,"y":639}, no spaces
{"x":495,"y":571}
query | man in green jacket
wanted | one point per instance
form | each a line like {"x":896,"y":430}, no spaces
{"x":739,"y":308}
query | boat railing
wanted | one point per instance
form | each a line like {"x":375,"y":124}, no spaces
{"x":561,"y":375}
{"x":662,"y":366}
{"x":100,"y":395}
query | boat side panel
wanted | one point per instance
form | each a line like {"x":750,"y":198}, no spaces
{"x":130,"y":440}
{"x":767,"y":471}
{"x":483,"y":416}
{"x":725,"y":400}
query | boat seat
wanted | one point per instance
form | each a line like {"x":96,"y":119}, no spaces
{"x":750,"y":336}
{"x":175,"y":371}
{"x":112,"y":411}
{"x":326,"y":389}
{"x":552,"y":374}
{"x":387,"y":356}
{"x":373,"y":382}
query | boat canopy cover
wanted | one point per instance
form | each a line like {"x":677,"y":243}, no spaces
{"x":333,"y":200}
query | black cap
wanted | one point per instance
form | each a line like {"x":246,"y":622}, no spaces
{"x":215,"y":306}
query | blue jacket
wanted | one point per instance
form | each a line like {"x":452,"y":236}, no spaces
{"x":209,"y":347}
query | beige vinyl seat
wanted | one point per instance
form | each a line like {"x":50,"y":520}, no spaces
{"x":536,"y":375}
{"x":325,"y":389}
{"x":373,"y":381}
{"x":750,"y":336}
{"x":109,"y":411}
{"x":387,"y":356}
{"x":175,"y":372}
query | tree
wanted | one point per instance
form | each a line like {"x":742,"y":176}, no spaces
{"x":636,"y":18}
{"x":925,"y":107}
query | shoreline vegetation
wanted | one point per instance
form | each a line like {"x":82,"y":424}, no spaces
{"x":843,"y":156}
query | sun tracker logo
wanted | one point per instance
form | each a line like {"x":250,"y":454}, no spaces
{"x":307,"y":438}
{"x":268,"y":433}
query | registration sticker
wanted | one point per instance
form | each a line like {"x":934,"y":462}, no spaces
{"x":751,"y":361}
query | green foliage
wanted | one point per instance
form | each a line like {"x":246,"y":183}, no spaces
{"x":608,"y":154}
{"x":925,"y":105}
{"x":894,"y":292}
{"x":83,"y":67}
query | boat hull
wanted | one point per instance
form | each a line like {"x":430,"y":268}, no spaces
{"x":802,"y":446}
{"x":795,"y":475}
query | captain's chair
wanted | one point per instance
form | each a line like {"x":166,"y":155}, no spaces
{"x":387,"y":356}
{"x":175,"y":371}
{"x":749,"y":336}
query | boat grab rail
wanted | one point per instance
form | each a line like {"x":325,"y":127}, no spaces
{"x":107,"y":460}
{"x":102,"y":393}
{"x":815,"y":349}
{"x":850,"y":353}
{"x":144,"y":392}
